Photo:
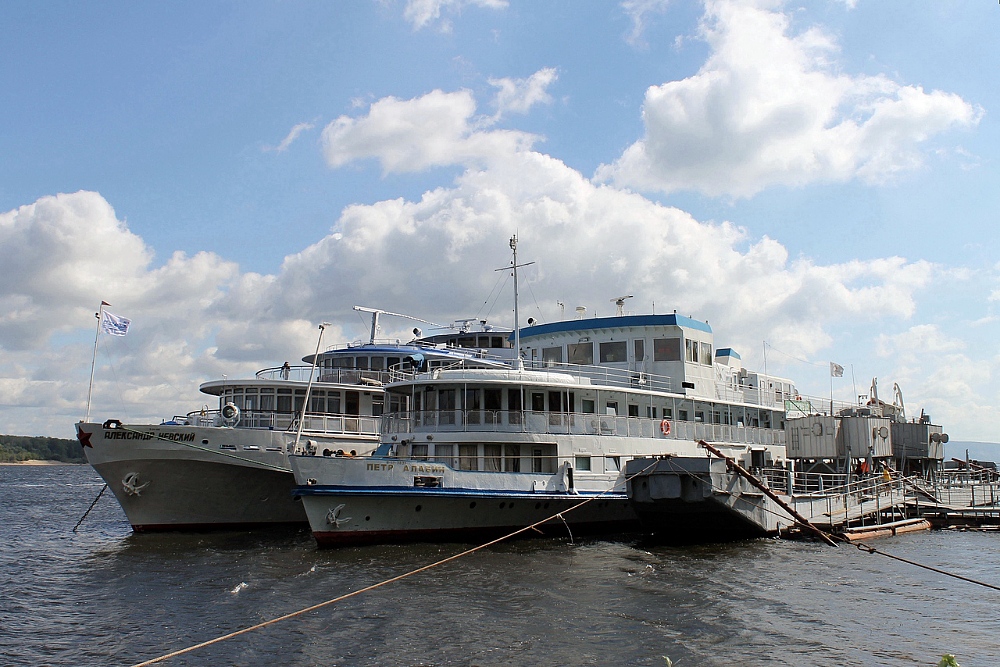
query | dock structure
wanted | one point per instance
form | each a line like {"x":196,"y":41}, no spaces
{"x":708,"y":499}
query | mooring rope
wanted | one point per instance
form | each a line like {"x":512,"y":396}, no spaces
{"x":860,"y":545}
{"x":105,"y":488}
{"x":320,"y":605}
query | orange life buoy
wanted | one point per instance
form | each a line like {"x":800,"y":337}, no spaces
{"x":665,"y":426}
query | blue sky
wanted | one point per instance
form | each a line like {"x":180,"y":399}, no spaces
{"x":817,"y":175}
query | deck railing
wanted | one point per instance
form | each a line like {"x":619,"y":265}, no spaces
{"x":571,"y":423}
{"x":284,"y":421}
{"x":326,"y":375}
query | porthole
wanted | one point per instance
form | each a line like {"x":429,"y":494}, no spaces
{"x":502,"y":505}
{"x":368,"y":518}
{"x":472,"y":505}
{"x":418,"y":508}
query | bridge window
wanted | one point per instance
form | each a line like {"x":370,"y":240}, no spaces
{"x":583,"y":463}
{"x":551,"y":355}
{"x":667,"y":349}
{"x":580,"y":353}
{"x":614,"y":352}
{"x":691,"y":351}
{"x":639,"y":347}
{"x":706,"y":354}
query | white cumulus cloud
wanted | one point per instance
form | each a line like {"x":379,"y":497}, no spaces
{"x":423,"y":13}
{"x":770,"y":107}
{"x":519,"y":95}
{"x":436,"y":129}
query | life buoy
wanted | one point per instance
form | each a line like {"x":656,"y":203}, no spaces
{"x":231,"y":413}
{"x":665,"y":427}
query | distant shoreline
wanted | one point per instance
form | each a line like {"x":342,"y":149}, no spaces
{"x":39,"y":462}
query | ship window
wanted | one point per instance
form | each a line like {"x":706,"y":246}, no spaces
{"x":639,"y":347}
{"x":614,"y":352}
{"x":512,"y":458}
{"x":333,"y":403}
{"x":612,"y":464}
{"x":612,"y":408}
{"x":651,"y":411}
{"x":583,"y":463}
{"x":391,"y":362}
{"x":378,"y":363}
{"x":588,"y":406}
{"x":514,"y":406}
{"x":691,"y":351}
{"x":491,"y":458}
{"x":378,"y":405}
{"x":352,"y":402}
{"x":419,"y":452}
{"x":445,"y":454}
{"x":446,"y":401}
{"x":666,"y":349}
{"x":496,"y":341}
{"x":633,"y":410}
{"x":552,"y":355}
{"x":467,"y":457}
{"x":362,"y":363}
{"x":683,"y":415}
{"x":466,"y":341}
{"x":538,"y":402}
{"x":555,"y":401}
{"x":284,"y":400}
{"x":343,"y":362}
{"x":580,"y":353}
{"x":317,"y":401}
{"x":536,"y":460}
{"x":267,"y":400}
{"x":492,"y":403}
{"x":706,"y":354}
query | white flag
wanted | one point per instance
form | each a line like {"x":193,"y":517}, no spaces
{"x":114,"y":325}
{"x":836,"y":370}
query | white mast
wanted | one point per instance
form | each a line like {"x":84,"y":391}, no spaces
{"x":93,"y":364}
{"x":305,"y":401}
{"x":519,"y":365}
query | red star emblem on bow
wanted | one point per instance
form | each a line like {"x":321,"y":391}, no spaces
{"x":84,"y":438}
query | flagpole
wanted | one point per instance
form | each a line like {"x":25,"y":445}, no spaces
{"x":93,"y":363}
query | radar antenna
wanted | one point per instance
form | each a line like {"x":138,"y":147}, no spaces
{"x":620,"y":302}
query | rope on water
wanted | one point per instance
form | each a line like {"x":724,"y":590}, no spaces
{"x":872,"y":550}
{"x":400,"y":577}
{"x":90,"y":508}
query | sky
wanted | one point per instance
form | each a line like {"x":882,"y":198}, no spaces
{"x":815,"y":179}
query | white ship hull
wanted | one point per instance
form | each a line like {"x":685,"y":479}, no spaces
{"x":177,"y":477}
{"x":372,"y":500}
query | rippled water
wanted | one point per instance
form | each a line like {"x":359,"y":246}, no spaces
{"x":103,"y":596}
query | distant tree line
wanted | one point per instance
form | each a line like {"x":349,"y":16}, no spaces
{"x":34,"y":448}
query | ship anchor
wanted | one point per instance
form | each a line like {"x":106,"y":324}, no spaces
{"x":131,"y":486}
{"x":333,"y":516}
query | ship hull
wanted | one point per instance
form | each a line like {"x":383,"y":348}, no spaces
{"x":350,"y":502}
{"x":176,"y":477}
